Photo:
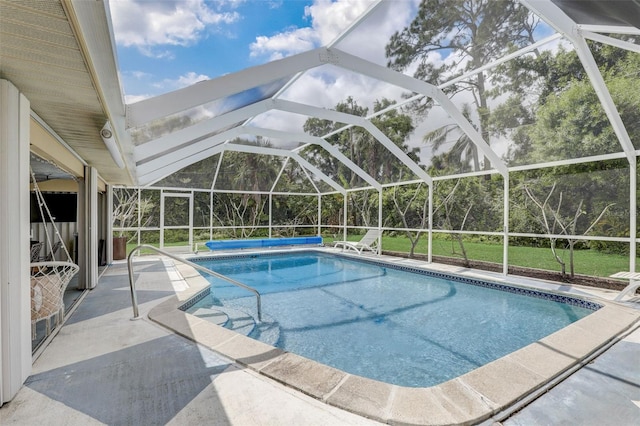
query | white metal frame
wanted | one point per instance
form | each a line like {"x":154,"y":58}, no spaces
{"x":163,"y":196}
{"x":170,"y":153}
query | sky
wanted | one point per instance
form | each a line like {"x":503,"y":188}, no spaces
{"x":164,"y":45}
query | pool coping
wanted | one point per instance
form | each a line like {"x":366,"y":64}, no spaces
{"x":468,"y":399}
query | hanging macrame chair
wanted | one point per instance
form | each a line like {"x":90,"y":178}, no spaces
{"x":49,"y":278}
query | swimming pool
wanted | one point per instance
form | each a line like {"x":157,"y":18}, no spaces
{"x":394,"y":324}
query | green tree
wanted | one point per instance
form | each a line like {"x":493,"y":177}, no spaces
{"x":360,"y":146}
{"x":197,"y":175}
{"x":564,"y":119}
{"x":364,"y":150}
{"x":397,"y":127}
{"x":553,"y":222}
{"x":251,"y":173}
{"x":409,"y":209}
{"x":353,"y":142}
{"x":457,"y":158}
{"x":470,"y":33}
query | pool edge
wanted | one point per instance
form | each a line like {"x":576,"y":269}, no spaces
{"x":468,"y":399}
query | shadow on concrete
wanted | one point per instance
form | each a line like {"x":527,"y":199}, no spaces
{"x":113,"y":292}
{"x":148,"y":383}
{"x":136,"y":379}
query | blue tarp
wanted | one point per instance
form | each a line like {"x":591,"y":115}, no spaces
{"x":258,"y":243}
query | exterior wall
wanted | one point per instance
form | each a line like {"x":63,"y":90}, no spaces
{"x":15,"y":310}
{"x":16,"y":232}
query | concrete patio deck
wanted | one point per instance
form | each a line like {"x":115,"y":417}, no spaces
{"x":103,"y":368}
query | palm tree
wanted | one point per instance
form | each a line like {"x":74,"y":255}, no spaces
{"x":462,"y":150}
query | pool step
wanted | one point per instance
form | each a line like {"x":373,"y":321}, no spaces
{"x":213,"y":315}
{"x":225,"y":316}
{"x":240,"y":321}
{"x":268,"y":332}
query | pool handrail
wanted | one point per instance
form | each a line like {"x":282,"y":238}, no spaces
{"x":134,"y":298}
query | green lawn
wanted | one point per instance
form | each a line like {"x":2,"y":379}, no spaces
{"x":587,"y":262}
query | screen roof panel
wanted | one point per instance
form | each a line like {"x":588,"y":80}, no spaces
{"x":602,"y":12}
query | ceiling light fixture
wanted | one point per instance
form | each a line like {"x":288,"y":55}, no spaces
{"x":106,"y":133}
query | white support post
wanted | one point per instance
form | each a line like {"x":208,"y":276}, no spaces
{"x":139,"y":221}
{"x":319,"y":214}
{"x":161,"y":242}
{"x":430,"y":230}
{"x":191,"y":248}
{"x":270,"y":215}
{"x":344,"y":216}
{"x":88,"y":230}
{"x":109,"y":221}
{"x":15,"y":305}
{"x":633,"y":220}
{"x":380,"y":221}
{"x":211,"y":214}
{"x":505,"y":249}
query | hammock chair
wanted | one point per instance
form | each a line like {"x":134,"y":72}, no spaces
{"x":49,"y":278}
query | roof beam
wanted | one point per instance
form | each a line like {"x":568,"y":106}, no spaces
{"x":151,"y":155}
{"x":204,"y":92}
{"x":161,"y":172}
{"x":359,"y":65}
{"x":168,"y":143}
{"x":342,"y":117}
{"x":502,"y":60}
{"x":303,"y":137}
{"x":251,"y":149}
{"x":355,"y":24}
{"x":157,"y":168}
{"x":616,"y":42}
{"x":284,"y":166}
{"x":555,"y":17}
{"x":162,"y":161}
{"x":610,"y":29}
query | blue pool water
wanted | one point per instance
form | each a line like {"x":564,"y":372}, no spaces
{"x":376,"y":321}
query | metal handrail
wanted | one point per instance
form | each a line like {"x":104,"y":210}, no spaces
{"x":134,"y":298}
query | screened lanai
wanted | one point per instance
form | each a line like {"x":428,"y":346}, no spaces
{"x":486,"y":129}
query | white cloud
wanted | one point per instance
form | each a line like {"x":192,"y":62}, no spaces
{"x":132,"y":99}
{"x":326,"y":86}
{"x":280,"y":120}
{"x":183,"y":81}
{"x":140,"y":75}
{"x":190,"y":78}
{"x":371,"y":36}
{"x":149,"y":24}
{"x":284,"y":44}
{"x":328,"y":18}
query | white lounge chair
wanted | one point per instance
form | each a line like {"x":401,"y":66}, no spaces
{"x":368,"y":242}
{"x":634,"y":283}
